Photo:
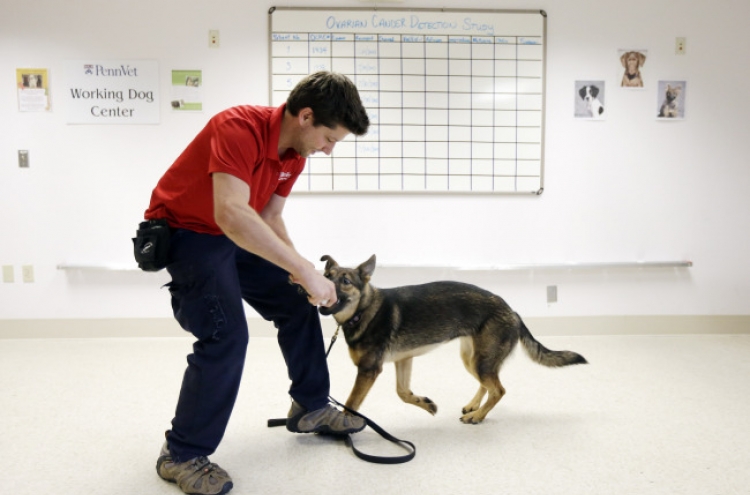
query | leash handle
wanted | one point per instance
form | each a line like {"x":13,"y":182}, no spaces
{"x":377,"y":459}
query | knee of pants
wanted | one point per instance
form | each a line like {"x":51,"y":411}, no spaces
{"x":207,"y":315}
{"x":298,"y":315}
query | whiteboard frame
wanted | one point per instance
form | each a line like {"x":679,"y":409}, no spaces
{"x":418,"y":10}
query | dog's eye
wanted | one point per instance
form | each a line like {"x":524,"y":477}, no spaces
{"x":346,"y":281}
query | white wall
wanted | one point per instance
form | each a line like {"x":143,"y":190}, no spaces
{"x":626,"y":189}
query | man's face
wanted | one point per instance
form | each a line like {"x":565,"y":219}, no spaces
{"x":314,"y":139}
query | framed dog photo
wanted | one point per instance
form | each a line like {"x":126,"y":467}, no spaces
{"x":631,"y":68}
{"x":589,"y":100}
{"x":670,"y":100}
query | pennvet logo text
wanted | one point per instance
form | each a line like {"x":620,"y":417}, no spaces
{"x":284,"y":176}
{"x":100,"y":70}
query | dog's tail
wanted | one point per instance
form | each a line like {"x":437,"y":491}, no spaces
{"x":544,"y":356}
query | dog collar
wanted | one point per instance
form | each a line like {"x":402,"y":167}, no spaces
{"x":354,"y":320}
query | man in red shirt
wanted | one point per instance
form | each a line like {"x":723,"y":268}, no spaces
{"x":223,"y":199}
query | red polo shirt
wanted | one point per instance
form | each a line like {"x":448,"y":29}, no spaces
{"x":242,"y":141}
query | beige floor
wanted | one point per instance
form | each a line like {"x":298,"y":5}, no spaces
{"x":649,"y":415}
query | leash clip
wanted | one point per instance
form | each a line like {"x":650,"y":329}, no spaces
{"x":333,"y":340}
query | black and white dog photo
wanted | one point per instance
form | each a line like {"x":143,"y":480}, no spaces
{"x":590,"y":100}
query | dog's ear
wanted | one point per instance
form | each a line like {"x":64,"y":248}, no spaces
{"x":582,"y":92}
{"x":624,"y":59}
{"x":641,"y":59}
{"x":367,"y":268}
{"x":330,"y":262}
{"x":594,"y":91}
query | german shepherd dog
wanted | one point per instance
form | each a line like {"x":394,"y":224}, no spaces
{"x":400,"y":323}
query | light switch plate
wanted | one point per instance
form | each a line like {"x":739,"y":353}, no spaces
{"x":23,"y":158}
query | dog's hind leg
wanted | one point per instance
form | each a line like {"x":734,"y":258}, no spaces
{"x":403,"y":387}
{"x":495,"y":392}
{"x":483,"y":358}
{"x":473,"y":405}
{"x":467,"y":356}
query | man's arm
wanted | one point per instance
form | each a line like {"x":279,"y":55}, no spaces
{"x":266,"y":238}
{"x":271,"y":214}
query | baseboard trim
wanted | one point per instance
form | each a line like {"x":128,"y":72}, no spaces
{"x":564,"y":325}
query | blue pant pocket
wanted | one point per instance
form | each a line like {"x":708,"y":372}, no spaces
{"x":197,"y":311}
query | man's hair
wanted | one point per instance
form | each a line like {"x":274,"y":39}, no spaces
{"x":334,"y":100}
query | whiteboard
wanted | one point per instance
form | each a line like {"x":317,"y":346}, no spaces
{"x":455,"y":97}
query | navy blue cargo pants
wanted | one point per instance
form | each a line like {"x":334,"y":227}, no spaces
{"x":211,"y":277}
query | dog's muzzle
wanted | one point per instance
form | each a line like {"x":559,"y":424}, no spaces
{"x":331,"y":310}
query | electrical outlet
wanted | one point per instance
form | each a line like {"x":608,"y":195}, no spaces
{"x":679,"y":46}
{"x":551,"y":293}
{"x":8,"y":275}
{"x":23,"y":158}
{"x":28,"y":274}
{"x":213,"y":38}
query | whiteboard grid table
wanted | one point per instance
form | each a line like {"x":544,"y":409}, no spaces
{"x":455,"y":98}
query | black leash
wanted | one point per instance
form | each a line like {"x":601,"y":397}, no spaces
{"x":405,"y":444}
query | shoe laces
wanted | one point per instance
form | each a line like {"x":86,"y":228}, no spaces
{"x":206,"y":468}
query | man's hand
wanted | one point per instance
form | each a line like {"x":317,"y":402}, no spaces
{"x":320,"y":290}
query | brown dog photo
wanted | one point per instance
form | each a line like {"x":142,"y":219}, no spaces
{"x":632,"y":62}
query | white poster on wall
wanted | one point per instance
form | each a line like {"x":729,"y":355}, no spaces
{"x":112,"y":91}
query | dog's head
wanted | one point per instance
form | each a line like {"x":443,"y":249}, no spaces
{"x":588,"y":93}
{"x":673,"y":92}
{"x":352,"y":286}
{"x":631,"y":61}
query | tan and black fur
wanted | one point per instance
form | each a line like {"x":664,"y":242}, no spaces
{"x":400,"y":323}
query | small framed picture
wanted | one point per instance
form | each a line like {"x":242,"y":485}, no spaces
{"x":33,"y":90}
{"x":631,"y":68}
{"x":589,"y":99}
{"x":670,"y":100}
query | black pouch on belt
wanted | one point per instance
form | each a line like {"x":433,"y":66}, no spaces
{"x":151,"y":245}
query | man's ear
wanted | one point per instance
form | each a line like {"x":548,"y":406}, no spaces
{"x":306,"y":117}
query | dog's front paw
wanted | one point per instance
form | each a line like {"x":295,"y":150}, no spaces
{"x":429,"y":406}
{"x":419,"y":401}
{"x":425,"y":403}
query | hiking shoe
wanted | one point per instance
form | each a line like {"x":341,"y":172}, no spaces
{"x":327,"y":420}
{"x":198,"y":476}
